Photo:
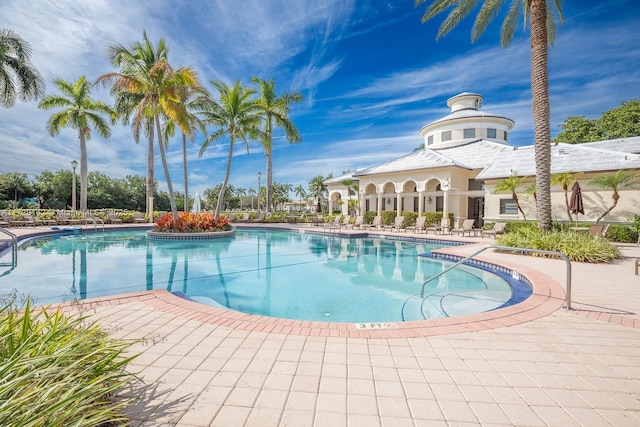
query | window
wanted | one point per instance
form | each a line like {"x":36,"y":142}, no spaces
{"x":469,"y":133}
{"x":446,"y":136}
{"x":430,"y":140}
{"x":474,"y":184}
{"x":508,"y":207}
{"x":491,"y":133}
{"x":505,"y":135}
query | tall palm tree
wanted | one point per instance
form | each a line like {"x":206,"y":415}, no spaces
{"x":18,"y":78}
{"x":241,"y":192}
{"x":153,"y":87}
{"x":18,"y":182}
{"x":251,"y":192}
{"x":317,"y":187}
{"x":511,"y":185}
{"x":79,"y":112}
{"x":565,"y":180}
{"x":234,"y":114}
{"x":188,"y":97}
{"x":275,"y":113}
{"x":614,"y":182}
{"x":299,"y":191}
{"x":542,"y":31}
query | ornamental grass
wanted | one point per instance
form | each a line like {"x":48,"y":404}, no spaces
{"x":59,"y":370}
{"x":192,"y":223}
{"x":580,"y":247}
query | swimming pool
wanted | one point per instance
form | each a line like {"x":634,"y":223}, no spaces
{"x":273,"y":273}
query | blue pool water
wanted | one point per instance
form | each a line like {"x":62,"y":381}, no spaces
{"x":272,"y":273}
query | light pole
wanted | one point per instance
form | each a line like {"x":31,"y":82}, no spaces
{"x":74,"y":165}
{"x":259,"y":176}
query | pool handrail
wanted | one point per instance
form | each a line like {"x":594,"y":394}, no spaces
{"x":512,"y":249}
{"x":14,"y":246}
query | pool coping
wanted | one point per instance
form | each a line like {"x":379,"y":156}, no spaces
{"x":547,"y":297}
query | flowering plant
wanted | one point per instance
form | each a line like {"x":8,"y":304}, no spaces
{"x":192,"y":223}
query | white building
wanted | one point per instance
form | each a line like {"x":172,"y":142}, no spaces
{"x":465,"y":155}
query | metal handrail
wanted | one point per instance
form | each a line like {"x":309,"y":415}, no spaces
{"x":511,"y":248}
{"x":14,"y":246}
{"x":95,"y":222}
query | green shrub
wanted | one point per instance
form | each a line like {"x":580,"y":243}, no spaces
{"x":368,"y":217}
{"x":517,"y":226}
{"x":582,"y":247}
{"x":622,"y":233}
{"x":389,"y":217}
{"x":409,"y":218}
{"x":57,"y":370}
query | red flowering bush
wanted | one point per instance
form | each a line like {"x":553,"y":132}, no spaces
{"x":192,"y":223}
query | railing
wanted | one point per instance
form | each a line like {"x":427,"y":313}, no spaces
{"x":95,"y":221}
{"x":510,"y":248}
{"x":14,"y":246}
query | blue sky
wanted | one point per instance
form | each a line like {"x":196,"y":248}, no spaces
{"x":372,"y":75}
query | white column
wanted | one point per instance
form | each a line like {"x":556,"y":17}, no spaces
{"x":399,"y":207}
{"x":420,"y":202}
{"x":380,"y":203}
{"x":445,"y":209}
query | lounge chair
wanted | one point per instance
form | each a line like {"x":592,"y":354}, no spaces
{"x":45,"y":221}
{"x":419,"y":225}
{"x":245,"y":217}
{"x":333,"y":224}
{"x":4,"y":221}
{"x":467,"y":227}
{"x":357,"y":223}
{"x":113,"y":219}
{"x":317,"y":220}
{"x":497,"y":230}
{"x":398,"y":224}
{"x":66,"y":219}
{"x":598,"y":229}
{"x":260,"y":217}
{"x":138,"y":218}
{"x":375,"y":224}
{"x":232,"y":217}
{"x":27,"y":220}
{"x":345,"y":221}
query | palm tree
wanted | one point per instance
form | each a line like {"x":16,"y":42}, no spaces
{"x":511,"y":184}
{"x":349,"y":184}
{"x":299,"y":191}
{"x":18,"y":78}
{"x":542,"y":30}
{"x":241,"y":192}
{"x":188,"y":98}
{"x":317,"y":188}
{"x":251,"y":193}
{"x":275,"y":113}
{"x":79,"y":112}
{"x":235,"y":114}
{"x":614,"y":182}
{"x":565,"y":180}
{"x":153,"y":89}
{"x":18,"y":182}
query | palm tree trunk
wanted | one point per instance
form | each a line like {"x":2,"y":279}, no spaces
{"x":566,"y":201}
{"x":514,"y":196}
{"x":184,"y":164}
{"x":83,"y":171}
{"x":163,"y":156}
{"x":226,"y":180}
{"x":615,"y":198}
{"x":150,"y":160}
{"x":540,"y":93}
{"x":269,"y":155}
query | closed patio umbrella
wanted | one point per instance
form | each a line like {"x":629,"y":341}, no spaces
{"x":196,"y":203}
{"x":575,"y":203}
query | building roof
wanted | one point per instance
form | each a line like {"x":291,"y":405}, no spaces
{"x":564,"y":158}
{"x":473,"y":155}
{"x":626,"y":145}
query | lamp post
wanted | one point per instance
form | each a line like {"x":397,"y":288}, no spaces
{"x":74,"y":165}
{"x":259,"y":176}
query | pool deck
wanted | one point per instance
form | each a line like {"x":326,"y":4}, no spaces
{"x":533,"y":364}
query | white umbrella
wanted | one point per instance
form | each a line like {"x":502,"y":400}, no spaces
{"x":196,"y":203}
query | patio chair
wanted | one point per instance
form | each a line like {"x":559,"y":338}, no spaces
{"x":398,"y":224}
{"x":375,"y":224}
{"x":317,"y":220}
{"x":419,"y":225}
{"x":4,"y":220}
{"x":138,"y":218}
{"x":357,"y":223}
{"x":497,"y":230}
{"x":66,"y":219}
{"x":260,"y":217}
{"x":345,"y":222}
{"x":45,"y":221}
{"x":113,"y":219}
{"x":245,"y":217}
{"x":467,"y":227}
{"x":232,"y":217}
{"x":598,"y":229}
{"x":334,"y":224}
{"x":27,"y":220}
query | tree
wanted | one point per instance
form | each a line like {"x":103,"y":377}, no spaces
{"x":299,"y":191}
{"x":15,"y":185}
{"x":621,"y":122}
{"x":578,"y":129}
{"x":79,"y":112}
{"x":18,"y":78}
{"x":236,"y":115}
{"x":241,"y":192}
{"x":251,"y":192}
{"x":149,"y":85}
{"x":542,"y":31}
{"x":565,"y":180}
{"x":511,"y":185}
{"x":317,"y":188}
{"x":275,"y":113}
{"x":614,"y":182}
